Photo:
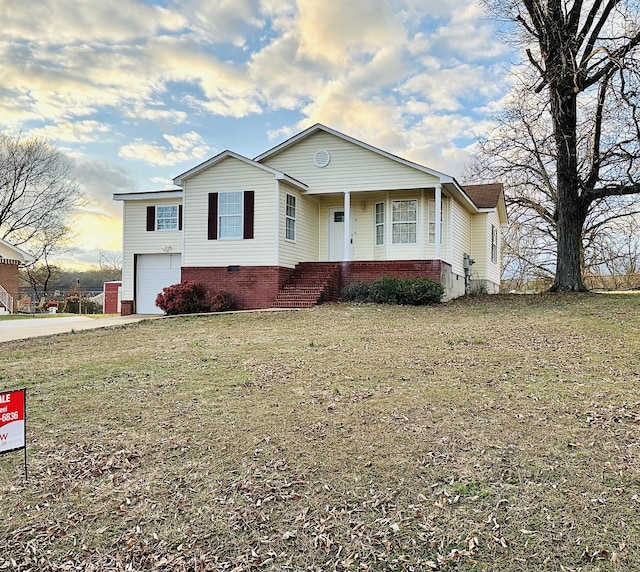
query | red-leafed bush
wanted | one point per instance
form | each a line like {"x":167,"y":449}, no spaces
{"x":191,"y":297}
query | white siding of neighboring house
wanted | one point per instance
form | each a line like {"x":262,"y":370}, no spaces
{"x":305,"y":247}
{"x":137,"y":240}
{"x":461,"y":223}
{"x":352,"y":167}
{"x":493,"y":268}
{"x":229,"y":175}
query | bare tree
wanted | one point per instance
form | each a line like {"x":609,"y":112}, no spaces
{"x":37,"y":195}
{"x":570,"y":140}
{"x":110,"y":265}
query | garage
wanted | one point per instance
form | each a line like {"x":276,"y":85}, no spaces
{"x":154,"y":272}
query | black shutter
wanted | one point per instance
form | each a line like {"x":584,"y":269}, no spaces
{"x":151,"y":218}
{"x":248,"y":214}
{"x":212,"y":224}
{"x":179,"y":217}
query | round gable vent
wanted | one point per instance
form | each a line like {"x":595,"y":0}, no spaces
{"x":321,"y":159}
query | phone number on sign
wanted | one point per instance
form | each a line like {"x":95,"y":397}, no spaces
{"x":10,"y":416}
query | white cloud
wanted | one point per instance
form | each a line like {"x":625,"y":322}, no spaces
{"x":183,"y":148}
{"x":222,"y":20}
{"x":60,"y":22}
{"x":74,"y":131}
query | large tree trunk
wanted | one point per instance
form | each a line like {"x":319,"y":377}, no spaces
{"x":570,"y":215}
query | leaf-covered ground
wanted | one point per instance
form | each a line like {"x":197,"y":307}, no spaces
{"x":495,"y":433}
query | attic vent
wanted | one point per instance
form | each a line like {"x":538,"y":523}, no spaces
{"x":321,"y":159}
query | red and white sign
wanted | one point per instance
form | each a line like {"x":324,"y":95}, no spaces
{"x":12,"y":420}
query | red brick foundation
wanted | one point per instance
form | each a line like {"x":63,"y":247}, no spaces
{"x":253,"y":286}
{"x":126,"y":307}
{"x":9,"y":278}
{"x":370,"y":271}
{"x":257,"y":286}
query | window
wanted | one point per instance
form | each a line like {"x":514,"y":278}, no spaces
{"x":431,"y":217}
{"x":431,"y":221}
{"x":403,"y":219}
{"x":230,"y":215}
{"x":164,"y":217}
{"x":494,"y":244}
{"x":290,"y":218}
{"x":379,"y":224}
{"x":167,"y":217}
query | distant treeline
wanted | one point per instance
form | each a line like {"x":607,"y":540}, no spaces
{"x":70,"y":280}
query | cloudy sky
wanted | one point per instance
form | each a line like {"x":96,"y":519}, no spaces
{"x":138,"y":91}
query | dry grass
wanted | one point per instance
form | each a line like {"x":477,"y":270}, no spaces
{"x":490,"y":434}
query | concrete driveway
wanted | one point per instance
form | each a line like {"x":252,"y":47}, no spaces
{"x":47,"y":326}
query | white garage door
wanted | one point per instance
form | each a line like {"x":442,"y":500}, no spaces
{"x":155,"y":271}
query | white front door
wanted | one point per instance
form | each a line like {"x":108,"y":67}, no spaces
{"x":336,"y":235}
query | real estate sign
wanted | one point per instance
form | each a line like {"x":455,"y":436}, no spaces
{"x":12,"y":420}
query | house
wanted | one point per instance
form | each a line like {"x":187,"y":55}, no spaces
{"x":11,"y":258}
{"x":294,"y":225}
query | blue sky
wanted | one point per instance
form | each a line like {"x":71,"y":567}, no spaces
{"x":137,"y":92}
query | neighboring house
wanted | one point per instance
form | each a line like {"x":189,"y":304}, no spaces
{"x":11,"y":258}
{"x":299,"y":222}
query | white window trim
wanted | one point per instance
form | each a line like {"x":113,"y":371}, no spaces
{"x":241,"y":215}
{"x":415,"y":222}
{"x":177,"y":218}
{"x":431,"y":222}
{"x":494,"y":244}
{"x":377,"y":224}
{"x":293,"y":218}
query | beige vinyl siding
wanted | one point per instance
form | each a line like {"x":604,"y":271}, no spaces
{"x":481,"y":241}
{"x":461,"y":223}
{"x":137,"y":240}
{"x":351,"y":168}
{"x":229,"y":175}
{"x":305,"y":248}
{"x":485,"y":268}
{"x":363,"y":207}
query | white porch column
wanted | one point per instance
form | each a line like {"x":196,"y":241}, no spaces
{"x":276,"y":249}
{"x":438,"y":189}
{"x":347,"y":226}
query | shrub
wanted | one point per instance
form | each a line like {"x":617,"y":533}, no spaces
{"x":422,"y":291}
{"x":388,"y":290}
{"x":222,"y":302}
{"x":359,"y":291}
{"x":391,"y":290}
{"x":191,"y":297}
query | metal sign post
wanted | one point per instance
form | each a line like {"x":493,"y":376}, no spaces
{"x":13,"y":423}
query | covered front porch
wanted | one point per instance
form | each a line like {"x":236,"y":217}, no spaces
{"x":381,"y":226}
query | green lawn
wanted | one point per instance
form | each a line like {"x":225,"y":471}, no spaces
{"x":495,"y":433}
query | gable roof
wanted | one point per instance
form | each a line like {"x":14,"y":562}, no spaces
{"x":279,"y":175}
{"x":319,"y":127}
{"x":488,"y":196}
{"x":485,"y":196}
{"x":14,"y":252}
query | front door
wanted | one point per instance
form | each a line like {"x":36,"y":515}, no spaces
{"x":336,"y":235}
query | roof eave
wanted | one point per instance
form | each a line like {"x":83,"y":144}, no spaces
{"x":146,"y":195}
